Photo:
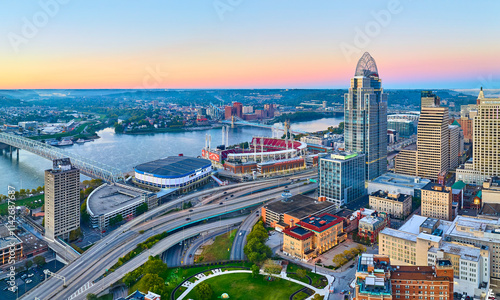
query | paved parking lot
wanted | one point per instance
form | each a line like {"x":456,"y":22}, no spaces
{"x":275,"y":240}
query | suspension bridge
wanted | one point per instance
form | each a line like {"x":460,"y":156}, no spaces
{"x":87,"y":166}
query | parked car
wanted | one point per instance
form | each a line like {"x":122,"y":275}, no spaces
{"x":30,"y":275}
{"x":29,"y":281}
{"x":342,"y":292}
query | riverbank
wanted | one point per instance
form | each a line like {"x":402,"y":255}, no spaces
{"x":180,"y":129}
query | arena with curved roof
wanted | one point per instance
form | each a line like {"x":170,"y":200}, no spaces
{"x":173,"y":172}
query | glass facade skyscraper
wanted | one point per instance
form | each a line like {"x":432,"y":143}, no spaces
{"x":365,"y":117}
{"x":341,"y":177}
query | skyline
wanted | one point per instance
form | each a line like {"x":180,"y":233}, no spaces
{"x":225,"y":44}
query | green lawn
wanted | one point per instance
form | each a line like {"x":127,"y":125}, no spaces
{"x":243,"y":286}
{"x":175,"y":276}
{"x":106,"y":297}
{"x":300,"y":296}
{"x":29,"y":202}
{"x":318,"y":280}
{"x":220,"y":249}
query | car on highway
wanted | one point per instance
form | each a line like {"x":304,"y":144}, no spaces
{"x":220,"y":203}
{"x":190,"y":255}
{"x":187,"y":219}
{"x":232,"y":195}
{"x":225,"y":193}
{"x":190,"y":210}
{"x":241,"y":233}
{"x":342,"y":292}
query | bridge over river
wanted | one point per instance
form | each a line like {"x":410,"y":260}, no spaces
{"x":87,"y":166}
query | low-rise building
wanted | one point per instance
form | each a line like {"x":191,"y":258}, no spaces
{"x":313,"y":235}
{"x":370,"y":226}
{"x":398,"y":184}
{"x":437,"y":202}
{"x":287,"y":213}
{"x":378,"y":279}
{"x":424,"y":241}
{"x":11,"y":246}
{"x":396,"y":205}
{"x":110,"y":200}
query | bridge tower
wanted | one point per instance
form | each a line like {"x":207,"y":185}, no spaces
{"x":232,"y":121}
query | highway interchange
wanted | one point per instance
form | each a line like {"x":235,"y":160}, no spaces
{"x":92,"y":264}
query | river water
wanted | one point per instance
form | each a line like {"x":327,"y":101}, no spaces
{"x":126,"y":151}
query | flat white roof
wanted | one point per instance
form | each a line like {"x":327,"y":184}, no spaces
{"x":413,"y":224}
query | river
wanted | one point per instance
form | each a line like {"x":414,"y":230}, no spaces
{"x":125,"y":151}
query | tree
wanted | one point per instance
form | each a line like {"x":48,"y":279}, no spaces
{"x":91,"y":297}
{"x":271,"y":267}
{"x":28,"y":264}
{"x":154,"y":265}
{"x":75,"y":234}
{"x":318,"y":297}
{"x":301,"y":273}
{"x":151,"y":282}
{"x":204,"y":290}
{"x":39,"y":260}
{"x":255,"y":270}
{"x":141,"y":209}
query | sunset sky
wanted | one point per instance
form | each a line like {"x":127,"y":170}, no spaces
{"x":246,"y":43}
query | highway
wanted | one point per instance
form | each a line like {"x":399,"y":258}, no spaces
{"x":139,"y":260}
{"x":105,"y":253}
{"x":241,"y":236}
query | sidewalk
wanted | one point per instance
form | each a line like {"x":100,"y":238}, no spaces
{"x":202,"y":277}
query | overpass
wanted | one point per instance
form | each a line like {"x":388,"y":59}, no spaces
{"x":87,"y":166}
{"x":104,"y":254}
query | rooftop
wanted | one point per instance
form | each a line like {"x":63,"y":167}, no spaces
{"x":321,"y":222}
{"x":416,"y":273}
{"x":465,"y":252}
{"x":6,"y":240}
{"x":400,"y":234}
{"x":396,"y":197}
{"x":413,"y":224}
{"x":399,"y":180}
{"x":298,"y":232}
{"x":431,"y":186}
{"x":299,"y":206}
{"x":110,"y":197}
{"x":173,"y":166}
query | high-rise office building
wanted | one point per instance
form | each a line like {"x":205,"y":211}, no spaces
{"x":436,"y":145}
{"x":486,"y":136}
{"x":62,"y":199}
{"x":341,"y":177}
{"x":365,"y":117}
{"x":433,"y":142}
{"x":428,"y":99}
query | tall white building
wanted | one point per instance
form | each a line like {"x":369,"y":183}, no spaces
{"x":62,"y":199}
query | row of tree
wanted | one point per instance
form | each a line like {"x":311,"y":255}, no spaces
{"x":344,"y":257}
{"x":256,"y":250}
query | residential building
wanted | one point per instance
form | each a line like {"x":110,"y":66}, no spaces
{"x":365,"y":117}
{"x":377,"y":278}
{"x":437,"y":202}
{"x":62,"y":199}
{"x":491,"y":190}
{"x":456,"y":145}
{"x":398,"y":184}
{"x":396,"y":205}
{"x":370,"y":226}
{"x":341,"y":177}
{"x":313,"y":235}
{"x":424,"y":241}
